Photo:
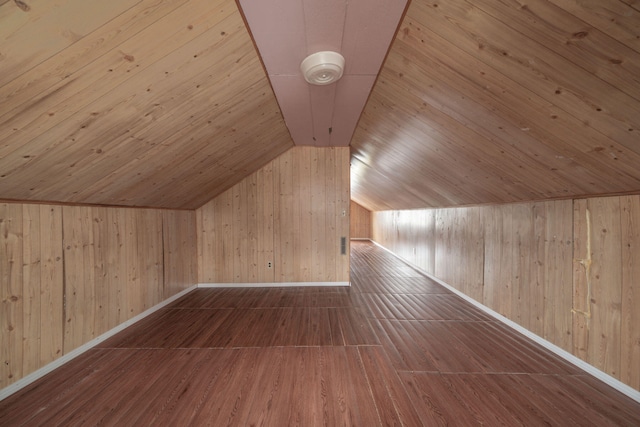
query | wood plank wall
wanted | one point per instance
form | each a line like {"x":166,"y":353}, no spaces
{"x":291,"y":213}
{"x":567,"y":270}
{"x":71,"y":273}
{"x":31,"y":288}
{"x":360,"y":222}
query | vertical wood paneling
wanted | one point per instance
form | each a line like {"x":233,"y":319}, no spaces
{"x":582,"y":260}
{"x":381,"y":226}
{"x":606,"y":285}
{"x":69,"y":274}
{"x":104,"y":268}
{"x":405,"y":227}
{"x":251,"y":248}
{"x":555,"y":266}
{"x":115,"y":232}
{"x":469,"y":229}
{"x":452,"y":227}
{"x":225,"y":246}
{"x":443,"y":247}
{"x":333,"y":184}
{"x":113,"y":268}
{"x":145,"y":268}
{"x":343,"y":190}
{"x":567,"y":270}
{"x":289,"y":214}
{"x":51,"y":284}
{"x":11,"y":293}
{"x":630,"y":332}
{"x":498,"y":292}
{"x":536,"y":292}
{"x":283,"y":219}
{"x":429,"y":248}
{"x":412,"y":239}
{"x":360,"y":221}
{"x":302,"y":213}
{"x":524,"y":295}
{"x":30,"y":288}
{"x":180,"y":251}
{"x":78,"y":276}
{"x":265,"y":228}
{"x":241,"y":199}
{"x":504,"y":286}
{"x":319,"y":215}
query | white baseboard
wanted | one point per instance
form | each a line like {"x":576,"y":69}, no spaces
{"x":270,"y":285}
{"x":28,"y":379}
{"x":590,"y":369}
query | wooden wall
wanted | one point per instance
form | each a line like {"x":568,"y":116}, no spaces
{"x":280,"y":224}
{"x":71,"y":273}
{"x":360,"y":221}
{"x":31,"y":289}
{"x":567,"y":270}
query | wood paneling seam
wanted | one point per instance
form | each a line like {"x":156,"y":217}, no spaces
{"x":586,"y":263}
{"x":64,"y":281}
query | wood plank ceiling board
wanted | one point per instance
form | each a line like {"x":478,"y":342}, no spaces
{"x":150,"y":103}
{"x":485,"y":102}
{"x":34,"y":31}
{"x":286,"y":31}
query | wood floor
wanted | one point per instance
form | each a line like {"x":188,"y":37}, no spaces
{"x":394,"y":349}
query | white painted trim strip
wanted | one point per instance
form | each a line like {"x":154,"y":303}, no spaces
{"x":25,"y":381}
{"x":590,"y":369}
{"x":270,"y":285}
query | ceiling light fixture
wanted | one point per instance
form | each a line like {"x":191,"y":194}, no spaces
{"x":322,"y":68}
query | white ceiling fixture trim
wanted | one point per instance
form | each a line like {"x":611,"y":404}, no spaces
{"x":322,"y":68}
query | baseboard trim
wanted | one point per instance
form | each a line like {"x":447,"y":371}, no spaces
{"x":271,"y":285}
{"x":590,"y":369}
{"x":36,"y":375}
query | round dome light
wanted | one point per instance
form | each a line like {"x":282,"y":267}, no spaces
{"x":322,"y":68}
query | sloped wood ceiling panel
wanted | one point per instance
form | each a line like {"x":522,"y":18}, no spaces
{"x":139,"y":103}
{"x":490,"y":101}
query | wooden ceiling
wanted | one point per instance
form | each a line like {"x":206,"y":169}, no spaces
{"x":492,"y":101}
{"x":124,"y":102}
{"x":167,"y":104}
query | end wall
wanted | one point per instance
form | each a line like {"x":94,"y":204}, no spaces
{"x":567,"y":270}
{"x":281,"y":224}
{"x":360,"y":227}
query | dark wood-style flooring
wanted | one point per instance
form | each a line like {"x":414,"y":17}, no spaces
{"x":394,"y":349}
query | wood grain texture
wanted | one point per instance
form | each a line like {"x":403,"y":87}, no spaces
{"x":419,"y":226}
{"x":12,"y":297}
{"x":71,"y":273}
{"x":494,"y":102}
{"x":320,"y":356}
{"x":582,"y":260}
{"x":360,"y":221}
{"x":606,"y":285}
{"x":179,"y":247}
{"x":562,"y":269}
{"x":280,"y":224}
{"x":629,"y":333}
{"x":166,"y":104}
{"x":31,"y":281}
{"x":120,"y":89}
{"x":558,"y":250}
